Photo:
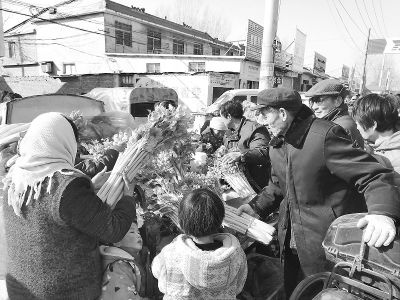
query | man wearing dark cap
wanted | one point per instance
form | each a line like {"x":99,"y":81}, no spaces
{"x":321,"y":176}
{"x":327,"y":102}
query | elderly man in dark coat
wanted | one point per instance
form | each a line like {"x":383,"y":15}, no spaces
{"x":251,"y":140}
{"x":321,"y":176}
{"x":327,"y":102}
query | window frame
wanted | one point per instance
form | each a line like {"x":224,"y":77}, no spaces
{"x":123,"y":34}
{"x":153,"y":38}
{"x":155,"y":66}
{"x":194,"y":66}
{"x":176,"y":44}
{"x":214,"y":51}
{"x":198,"y":49}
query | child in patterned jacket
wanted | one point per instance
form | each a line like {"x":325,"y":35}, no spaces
{"x":201,"y":263}
{"x":124,"y":275}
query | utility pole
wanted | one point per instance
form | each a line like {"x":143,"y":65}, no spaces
{"x":363,"y":79}
{"x":2,"y":51}
{"x":382,"y":69}
{"x":267,"y":56}
{"x":351,"y":78}
{"x":387,"y":84}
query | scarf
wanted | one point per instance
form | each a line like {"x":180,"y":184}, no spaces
{"x":337,"y":112}
{"x":49,"y":146}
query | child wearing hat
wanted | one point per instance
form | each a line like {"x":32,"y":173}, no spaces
{"x":201,"y":263}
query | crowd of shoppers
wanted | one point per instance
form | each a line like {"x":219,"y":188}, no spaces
{"x":314,"y":164}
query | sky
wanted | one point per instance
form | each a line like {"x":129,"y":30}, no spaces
{"x":337,"y":29}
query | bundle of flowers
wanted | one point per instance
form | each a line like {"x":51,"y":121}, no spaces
{"x":232,"y":173}
{"x":164,"y":191}
{"x":165,"y":126}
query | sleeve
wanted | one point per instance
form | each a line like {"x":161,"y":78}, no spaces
{"x":159,"y":270}
{"x":379,"y":185}
{"x":267,"y":200}
{"x":119,"y":282}
{"x":83,"y":210}
{"x":258,"y":147}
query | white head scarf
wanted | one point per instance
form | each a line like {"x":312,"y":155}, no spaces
{"x":48,"y":146}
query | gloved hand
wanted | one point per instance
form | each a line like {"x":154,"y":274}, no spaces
{"x":378,"y":230}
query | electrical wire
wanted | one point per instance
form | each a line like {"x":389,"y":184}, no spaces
{"x":359,"y":12}
{"x":351,"y":19}
{"x":65,"y":15}
{"x":345,"y":27}
{"x":377,"y":20}
{"x":383,"y":18}
{"x":366,"y":10}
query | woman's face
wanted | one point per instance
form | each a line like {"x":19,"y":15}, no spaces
{"x":132,"y":239}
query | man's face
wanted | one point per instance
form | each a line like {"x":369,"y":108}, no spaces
{"x":276,"y":120}
{"x":227,"y":121}
{"x":323,"y":105}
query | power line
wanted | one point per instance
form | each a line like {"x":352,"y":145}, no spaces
{"x":376,"y":17}
{"x":351,"y":38}
{"x":372,"y":25}
{"x":102,"y":24}
{"x":351,"y":19}
{"x":359,"y":11}
{"x":383,"y":17}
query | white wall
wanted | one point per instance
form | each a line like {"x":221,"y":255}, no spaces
{"x":136,"y":63}
{"x":64,"y":45}
{"x":194,"y":91}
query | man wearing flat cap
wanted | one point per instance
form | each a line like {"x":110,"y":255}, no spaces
{"x":327,"y":102}
{"x":321,"y":176}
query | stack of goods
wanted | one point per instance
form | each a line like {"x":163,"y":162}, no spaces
{"x":232,"y":173}
{"x":157,"y":158}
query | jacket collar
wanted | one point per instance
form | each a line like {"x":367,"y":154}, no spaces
{"x":340,"y":111}
{"x":297,"y":131}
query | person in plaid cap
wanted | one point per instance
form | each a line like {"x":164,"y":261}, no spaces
{"x":320,"y":176}
{"x":327,"y":102}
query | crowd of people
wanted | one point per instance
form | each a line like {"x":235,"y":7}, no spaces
{"x":311,"y":163}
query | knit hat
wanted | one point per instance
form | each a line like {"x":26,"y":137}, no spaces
{"x":279,"y":98}
{"x":327,"y":87}
{"x":217,"y":123}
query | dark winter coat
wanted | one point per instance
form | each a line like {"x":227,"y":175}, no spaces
{"x":53,"y":247}
{"x":252,"y":140}
{"x":321,"y":175}
{"x":341,"y":117}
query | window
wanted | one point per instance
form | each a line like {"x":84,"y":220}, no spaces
{"x":253,"y":99}
{"x":123,"y":34}
{"x":198,"y":49}
{"x":216,"y":51}
{"x":127,"y":80}
{"x":69,"y":68}
{"x":153,"y":68}
{"x":197,"y":66}
{"x":11,"y":49}
{"x":153,"y":42}
{"x":178,"y":47}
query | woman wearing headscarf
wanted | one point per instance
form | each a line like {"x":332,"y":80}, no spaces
{"x":53,"y":218}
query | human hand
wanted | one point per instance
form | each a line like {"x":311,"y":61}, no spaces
{"x":231,"y":157}
{"x":246,"y":208}
{"x":100,"y":178}
{"x":378,"y":230}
